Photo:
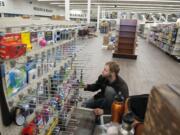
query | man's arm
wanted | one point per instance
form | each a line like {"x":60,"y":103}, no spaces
{"x":96,"y":86}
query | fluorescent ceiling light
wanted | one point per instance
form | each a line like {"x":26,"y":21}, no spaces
{"x":50,"y":0}
{"x":55,"y":3}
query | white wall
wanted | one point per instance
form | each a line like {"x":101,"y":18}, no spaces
{"x":24,"y":7}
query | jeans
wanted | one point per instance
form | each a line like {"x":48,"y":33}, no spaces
{"x":104,"y":103}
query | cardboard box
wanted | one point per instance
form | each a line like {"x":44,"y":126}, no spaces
{"x":163,"y":111}
{"x":106,"y":40}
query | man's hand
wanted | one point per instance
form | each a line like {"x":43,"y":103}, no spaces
{"x":98,"y":111}
{"x":85,"y":87}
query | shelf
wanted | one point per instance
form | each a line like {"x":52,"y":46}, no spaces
{"x":124,"y":55}
{"x":132,"y":25}
{"x":126,"y":31}
{"x":127,"y":35}
{"x":48,"y":129}
{"x":49,"y":47}
{"x":105,"y":19}
{"x":40,"y":50}
{"x":49,"y":126}
{"x":119,"y":47}
{"x":126,"y":51}
{"x":34,"y":82}
{"x":126,"y":40}
{"x":127,"y":28}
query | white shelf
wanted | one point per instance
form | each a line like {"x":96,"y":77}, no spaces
{"x":40,"y":50}
{"x":105,"y":19}
{"x":49,"y":47}
{"x":34,"y":82}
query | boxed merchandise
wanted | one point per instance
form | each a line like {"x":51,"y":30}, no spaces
{"x":49,"y":36}
{"x":11,"y":46}
{"x":32,"y":75}
{"x":106,"y":39}
{"x":34,"y":37}
{"x":16,"y":80}
{"x":57,"y":35}
{"x":25,"y":37}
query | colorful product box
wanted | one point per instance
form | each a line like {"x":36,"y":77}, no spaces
{"x":11,"y":46}
{"x":25,"y":37}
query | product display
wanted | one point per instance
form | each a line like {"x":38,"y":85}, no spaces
{"x":127,"y":40}
{"x":49,"y":37}
{"x":11,"y":46}
{"x":25,"y":37}
{"x":27,"y":82}
{"x":16,"y":80}
{"x":104,"y":27}
{"x":63,"y":72}
{"x":166,"y":37}
{"x":41,"y":37}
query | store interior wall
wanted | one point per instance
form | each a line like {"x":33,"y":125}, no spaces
{"x":27,"y":7}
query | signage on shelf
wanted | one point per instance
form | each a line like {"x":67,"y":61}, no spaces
{"x":42,"y":9}
{"x":2,"y":4}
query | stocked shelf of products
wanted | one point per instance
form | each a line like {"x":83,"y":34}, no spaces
{"x":38,"y":74}
{"x":143,"y":29}
{"x":167,"y":38}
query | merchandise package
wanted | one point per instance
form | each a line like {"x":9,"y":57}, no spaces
{"x":25,"y":37}
{"x":11,"y":46}
{"x":49,"y":37}
{"x":16,"y":80}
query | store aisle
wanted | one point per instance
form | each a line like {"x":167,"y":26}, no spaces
{"x":152,"y":67}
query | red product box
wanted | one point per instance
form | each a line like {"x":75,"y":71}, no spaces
{"x":11,"y":46}
{"x":29,"y":129}
{"x":12,"y":50}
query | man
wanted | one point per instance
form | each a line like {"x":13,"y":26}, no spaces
{"x":110,"y":84}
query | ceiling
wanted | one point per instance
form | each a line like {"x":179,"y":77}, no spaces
{"x":163,"y":6}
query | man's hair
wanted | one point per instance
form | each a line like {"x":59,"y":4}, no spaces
{"x":113,"y":67}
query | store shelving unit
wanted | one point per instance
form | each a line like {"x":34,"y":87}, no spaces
{"x":30,"y":89}
{"x":126,"y":40}
{"x":166,"y":37}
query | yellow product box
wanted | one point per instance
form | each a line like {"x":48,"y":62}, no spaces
{"x":25,"y":37}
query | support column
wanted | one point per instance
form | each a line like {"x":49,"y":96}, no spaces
{"x":98,"y":17}
{"x":89,"y":12}
{"x":67,"y":10}
{"x":166,"y":18}
{"x":128,"y":15}
{"x":2,"y":15}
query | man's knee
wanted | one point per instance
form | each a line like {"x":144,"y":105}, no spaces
{"x":110,"y":93}
{"x":89,"y":103}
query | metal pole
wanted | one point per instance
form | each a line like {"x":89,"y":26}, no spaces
{"x":67,"y":9}
{"x":89,"y":12}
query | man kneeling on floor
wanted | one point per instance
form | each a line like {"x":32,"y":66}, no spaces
{"x":110,"y":84}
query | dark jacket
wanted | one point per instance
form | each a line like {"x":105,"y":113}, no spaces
{"x":119,"y":85}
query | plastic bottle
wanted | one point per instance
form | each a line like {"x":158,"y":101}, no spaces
{"x":126,"y":127}
{"x":117,"y":108}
